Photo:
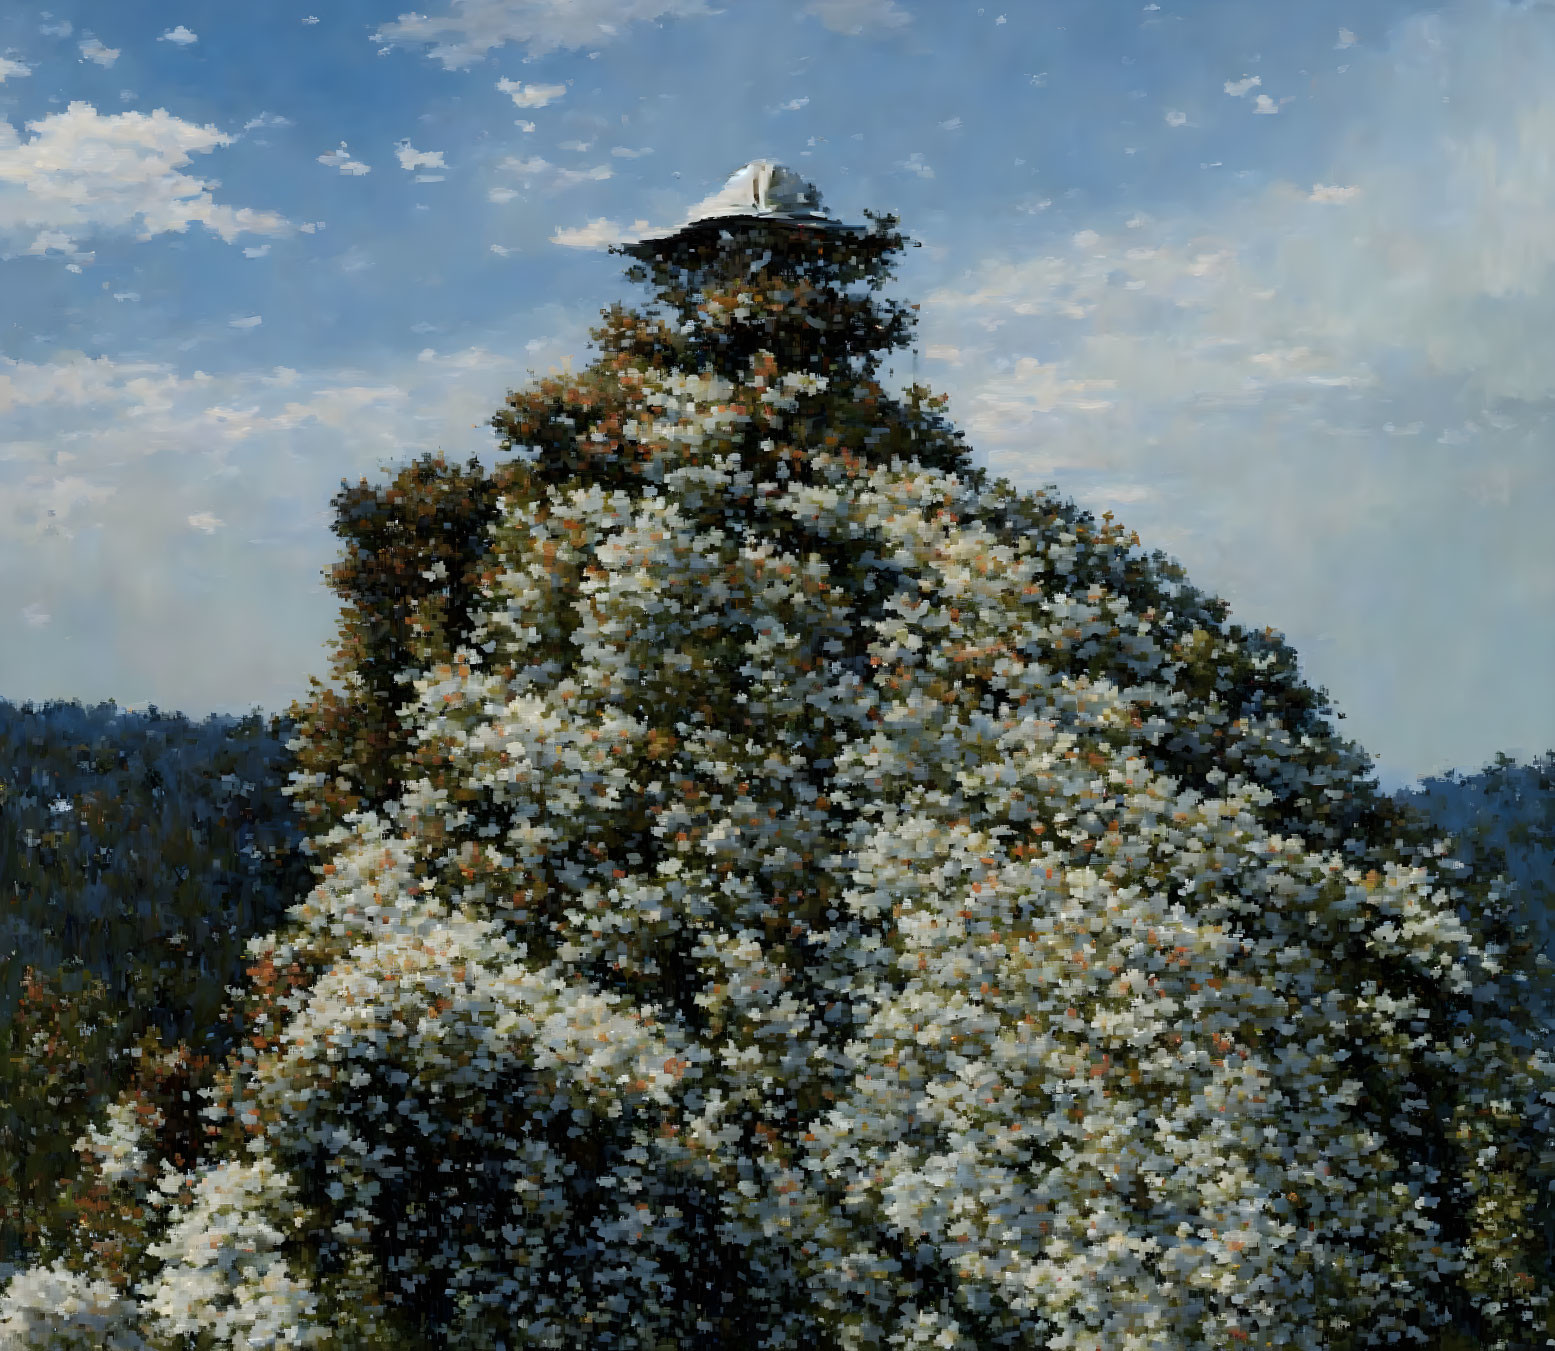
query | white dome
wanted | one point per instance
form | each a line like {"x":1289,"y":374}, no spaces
{"x":761,"y":188}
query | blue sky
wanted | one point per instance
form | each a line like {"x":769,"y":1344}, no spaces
{"x":1272,"y":283}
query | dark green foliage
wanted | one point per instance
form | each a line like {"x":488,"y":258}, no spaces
{"x":805,"y":293}
{"x":407,"y":578}
{"x":55,"y":1067}
{"x":775,"y":298}
{"x":148,"y":848}
{"x":85,"y":1222}
{"x":1502,"y":820}
{"x":138,"y":854}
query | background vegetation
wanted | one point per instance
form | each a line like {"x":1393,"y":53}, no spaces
{"x":138,"y":853}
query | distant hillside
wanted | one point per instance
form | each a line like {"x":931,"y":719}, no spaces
{"x":1503,"y":819}
{"x":138,"y":854}
{"x":145,"y":846}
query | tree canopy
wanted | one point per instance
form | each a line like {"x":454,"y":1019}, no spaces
{"x":779,"y":887}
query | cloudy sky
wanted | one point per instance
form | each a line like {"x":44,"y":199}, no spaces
{"x":1271,"y":282}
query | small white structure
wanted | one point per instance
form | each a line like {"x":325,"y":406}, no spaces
{"x":762,"y":188}
{"x":761,"y":192}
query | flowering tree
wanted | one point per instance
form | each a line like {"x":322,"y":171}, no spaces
{"x":808,"y":894}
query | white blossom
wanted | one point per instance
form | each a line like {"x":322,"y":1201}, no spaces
{"x":52,"y":1308}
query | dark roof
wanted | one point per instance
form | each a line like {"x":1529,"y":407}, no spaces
{"x":747,"y":223}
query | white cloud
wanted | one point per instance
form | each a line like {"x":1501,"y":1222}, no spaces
{"x":855,"y":17}
{"x":63,"y":29}
{"x":44,"y":506}
{"x":159,"y":455}
{"x":1175,"y":118}
{"x":475,"y":27}
{"x":1265,"y":105}
{"x":523,"y":126}
{"x":9,"y":68}
{"x":951,"y":124}
{"x":500,"y":250}
{"x":531,"y":95}
{"x":266,"y":120}
{"x":1183,"y":315}
{"x":35,"y":616}
{"x":341,"y":159}
{"x":332,"y":407}
{"x":258,"y":251}
{"x":72,"y":380}
{"x":793,"y":105}
{"x":469,"y":359}
{"x":941,"y":351}
{"x":1238,"y":88}
{"x":56,"y":241}
{"x":412,"y":159}
{"x":622,"y":152}
{"x":180,"y":36}
{"x":81,"y":173}
{"x":1033,"y":387}
{"x":247,"y":321}
{"x":131,"y":296}
{"x":93,"y":50}
{"x":1310,"y":390}
{"x":311,"y":18}
{"x":162,"y":456}
{"x":1346,"y":39}
{"x":599,"y":233}
{"x":916,"y":164}
{"x":1123,"y":493}
{"x":534,"y":171}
